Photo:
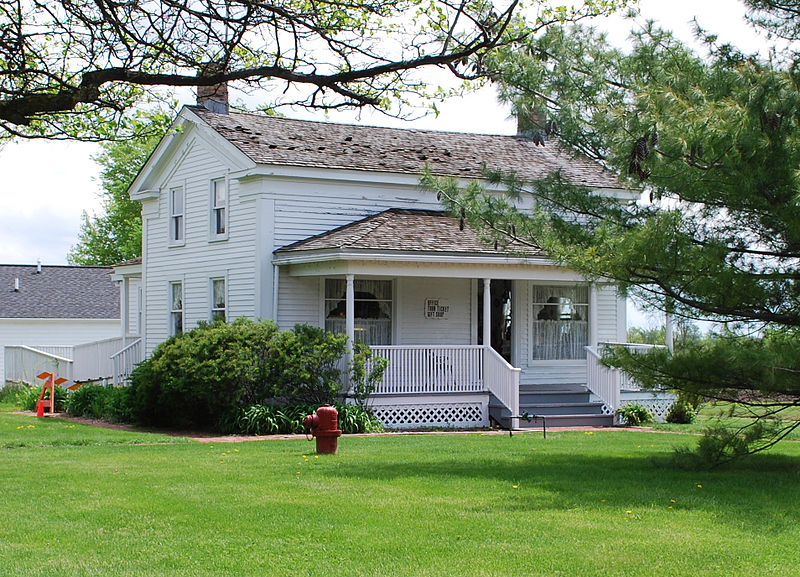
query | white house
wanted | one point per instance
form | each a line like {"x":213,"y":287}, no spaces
{"x":326,"y":224}
{"x":45,"y":311}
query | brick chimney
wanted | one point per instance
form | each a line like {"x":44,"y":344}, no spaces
{"x":215,"y":96}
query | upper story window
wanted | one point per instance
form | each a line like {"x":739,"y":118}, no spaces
{"x":560,"y":322}
{"x":219,"y":208}
{"x":373,"y":309}
{"x":176,"y":219}
{"x":218,"y":299}
{"x":176,"y":308}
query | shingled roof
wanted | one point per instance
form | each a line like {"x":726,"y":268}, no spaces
{"x":282,"y":141}
{"x":405,"y":230}
{"x":58,"y":292}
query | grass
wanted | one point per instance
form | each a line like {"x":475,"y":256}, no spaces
{"x":84,"y":501}
{"x":729,"y":415}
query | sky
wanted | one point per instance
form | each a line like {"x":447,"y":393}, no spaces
{"x":47,"y":186}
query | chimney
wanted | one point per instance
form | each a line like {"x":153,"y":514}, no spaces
{"x":529,"y":122}
{"x":16,"y":285}
{"x":215,"y":96}
{"x":38,"y":266}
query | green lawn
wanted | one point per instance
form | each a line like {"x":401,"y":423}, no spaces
{"x":83,"y":501}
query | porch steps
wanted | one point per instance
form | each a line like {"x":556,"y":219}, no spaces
{"x":563,"y":405}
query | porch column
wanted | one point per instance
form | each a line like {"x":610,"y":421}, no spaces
{"x":487,"y":312}
{"x":593,"y":315}
{"x":350,"y":314}
{"x":276,"y":277}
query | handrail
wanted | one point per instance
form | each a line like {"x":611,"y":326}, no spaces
{"x":40,"y":352}
{"x":607,"y":382}
{"x":124,"y":361}
{"x":502,"y":380}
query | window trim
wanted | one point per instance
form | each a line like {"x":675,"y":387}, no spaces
{"x":213,"y":235}
{"x":171,"y":311}
{"x":171,"y":228}
{"x":212,"y":308}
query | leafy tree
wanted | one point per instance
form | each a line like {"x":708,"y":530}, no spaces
{"x":81,"y":69}
{"x":115,"y":235}
{"x":714,"y":144}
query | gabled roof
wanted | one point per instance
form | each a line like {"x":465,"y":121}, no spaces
{"x":404,"y":230}
{"x":58,"y":292}
{"x":282,"y":141}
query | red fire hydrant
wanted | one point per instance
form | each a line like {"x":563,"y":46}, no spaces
{"x":324,"y":426}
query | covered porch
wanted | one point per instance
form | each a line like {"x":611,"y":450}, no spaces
{"x":463,"y":326}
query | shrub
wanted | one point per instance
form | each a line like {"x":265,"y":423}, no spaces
{"x":720,"y":444}
{"x":89,"y":401}
{"x":366,"y":371}
{"x":202,"y":378}
{"x":271,"y":419}
{"x":681,"y":412}
{"x":302,"y":365}
{"x":634,"y":414}
{"x":197,"y":379}
{"x":11,"y":391}
{"x":29,"y":396}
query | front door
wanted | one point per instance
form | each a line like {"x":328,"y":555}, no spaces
{"x":501,"y":321}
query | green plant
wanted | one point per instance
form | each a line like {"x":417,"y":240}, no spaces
{"x":302,"y":365}
{"x":29,"y":396}
{"x":681,"y":412}
{"x":9,"y":394}
{"x":270,"y":419}
{"x":634,"y":414}
{"x":91,"y":401}
{"x":366,"y":371}
{"x":199,"y":379}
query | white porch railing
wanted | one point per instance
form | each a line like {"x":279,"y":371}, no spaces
{"x":431,"y":369}
{"x":438,"y":369}
{"x":93,"y":360}
{"x":607,"y":382}
{"x":502,"y":380}
{"x":22,"y":363}
{"x":125,"y":360}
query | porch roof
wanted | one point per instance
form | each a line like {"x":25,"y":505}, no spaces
{"x":413,"y":242}
{"x":404,"y":231}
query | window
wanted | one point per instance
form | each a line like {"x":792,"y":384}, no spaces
{"x":219,"y":205}
{"x":176,"y":308}
{"x":373,"y":309}
{"x":560,"y":322}
{"x":218,"y":299}
{"x":176,"y":223}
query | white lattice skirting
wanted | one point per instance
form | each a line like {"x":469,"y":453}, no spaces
{"x":657,"y":403}
{"x":455,"y":415}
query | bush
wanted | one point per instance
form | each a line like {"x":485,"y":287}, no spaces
{"x":197,"y":379}
{"x":29,"y":396}
{"x":634,"y":414}
{"x":201,"y":379}
{"x":366,"y":371}
{"x":11,"y":391}
{"x":681,"y":412}
{"x":720,"y":444}
{"x":302,"y":365}
{"x":271,"y":419}
{"x":90,"y":401}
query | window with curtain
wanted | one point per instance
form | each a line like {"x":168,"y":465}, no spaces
{"x":218,"y":299}
{"x":219,"y":204}
{"x":176,"y":308}
{"x":372,"y":310}
{"x":560,"y":323}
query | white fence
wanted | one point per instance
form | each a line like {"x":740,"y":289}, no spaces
{"x":606,"y":382}
{"x":23,"y":363}
{"x":123,"y":362}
